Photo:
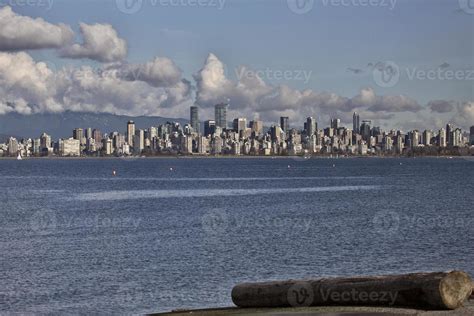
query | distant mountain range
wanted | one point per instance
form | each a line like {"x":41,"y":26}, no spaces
{"x":60,"y":125}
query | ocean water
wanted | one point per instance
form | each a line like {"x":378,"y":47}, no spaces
{"x":180,"y":233}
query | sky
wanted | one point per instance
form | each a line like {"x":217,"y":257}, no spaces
{"x":403,"y":64}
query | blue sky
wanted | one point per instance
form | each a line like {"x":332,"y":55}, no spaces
{"x":267,"y":35}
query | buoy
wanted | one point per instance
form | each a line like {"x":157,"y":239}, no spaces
{"x":171,"y":169}
{"x":289,"y":166}
{"x":114,"y":173}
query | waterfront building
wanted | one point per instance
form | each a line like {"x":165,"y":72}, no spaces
{"x":257,"y":127}
{"x":70,"y":147}
{"x":220,"y":112}
{"x":356,"y":123}
{"x":78,"y":134}
{"x":12,"y":147}
{"x":130,"y":132}
{"x":311,"y":126}
{"x":194,"y":119}
{"x":285,"y":123}
{"x":471,"y":135}
{"x":239,"y":124}
{"x":139,"y":141}
{"x":209,"y":127}
{"x":442,"y":140}
{"x":335,"y":123}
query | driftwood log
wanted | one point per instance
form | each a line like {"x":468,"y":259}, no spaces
{"x":438,"y":290}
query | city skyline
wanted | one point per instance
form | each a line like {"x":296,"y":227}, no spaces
{"x":65,"y":65}
{"x":248,"y":138}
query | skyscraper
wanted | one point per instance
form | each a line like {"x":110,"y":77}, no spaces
{"x":209,"y":127}
{"x":471,"y":135}
{"x":449,"y":135}
{"x":194,"y":118}
{"x":78,"y":133}
{"x":285,"y":123}
{"x":356,"y":123}
{"x":311,"y":126}
{"x":256,"y":126}
{"x":442,"y":138}
{"x":335,"y":123}
{"x":240,"y":124}
{"x":221,"y":115}
{"x":130,"y":132}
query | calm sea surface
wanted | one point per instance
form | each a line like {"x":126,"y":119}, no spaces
{"x":177,"y":233}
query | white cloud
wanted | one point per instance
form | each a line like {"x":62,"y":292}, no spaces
{"x":101,"y":43}
{"x":22,"y":32}
{"x":28,"y":87}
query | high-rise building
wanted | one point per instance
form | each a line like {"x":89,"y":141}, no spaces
{"x":88,"y":133}
{"x":335,"y":123}
{"x":449,"y":135}
{"x":139,"y":141}
{"x":356,"y":123}
{"x":285,"y":123}
{"x":311,"y":126}
{"x":69,"y":147}
{"x":221,"y":115}
{"x":365,"y":130}
{"x":256,"y":126}
{"x":130,"y":132}
{"x":442,"y":141}
{"x":45,"y":143}
{"x":12,"y":146}
{"x":427,"y":137}
{"x":239,"y":124}
{"x":209,"y":127}
{"x":471,"y":135}
{"x":78,"y":134}
{"x":194,"y":119}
